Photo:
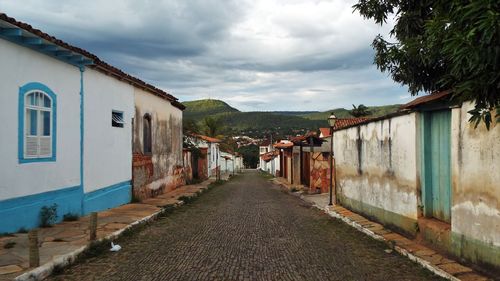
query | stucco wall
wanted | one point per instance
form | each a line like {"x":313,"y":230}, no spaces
{"x":475,"y":213}
{"x":377,"y":172}
{"x":108,"y":157}
{"x":18,"y":67}
{"x":166,"y":157}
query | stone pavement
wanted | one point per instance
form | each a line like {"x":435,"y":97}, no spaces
{"x":247,"y":229}
{"x":66,"y":237}
{"x":415,"y":251}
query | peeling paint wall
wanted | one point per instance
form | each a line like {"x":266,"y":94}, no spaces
{"x":161,"y":170}
{"x":475,"y":213}
{"x":377,"y":171}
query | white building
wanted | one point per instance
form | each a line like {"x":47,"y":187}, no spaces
{"x":213,"y":152}
{"x":71,"y":143}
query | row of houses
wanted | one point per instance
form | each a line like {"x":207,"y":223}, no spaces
{"x":424,"y":171}
{"x":78,"y":132}
{"x":204,"y":158}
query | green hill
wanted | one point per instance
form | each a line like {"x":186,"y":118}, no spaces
{"x":198,"y":109}
{"x":258,"y":124}
{"x":376,"y":111}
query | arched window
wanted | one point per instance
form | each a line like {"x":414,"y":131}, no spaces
{"x":37,"y":123}
{"x":146,"y":134}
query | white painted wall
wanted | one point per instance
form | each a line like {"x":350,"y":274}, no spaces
{"x":388,"y":178}
{"x":19,"y":66}
{"x":475,"y":162}
{"x":108,"y":150}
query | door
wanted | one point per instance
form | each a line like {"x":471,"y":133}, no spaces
{"x":306,"y":166}
{"x":437,"y":168}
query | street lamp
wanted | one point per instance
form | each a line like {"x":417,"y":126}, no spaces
{"x":331,"y":121}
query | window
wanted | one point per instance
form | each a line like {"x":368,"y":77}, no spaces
{"x":146,"y":134}
{"x":117,"y":119}
{"x":37,"y":123}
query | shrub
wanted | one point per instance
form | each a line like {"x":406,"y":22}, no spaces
{"x":48,"y":215}
{"x":71,"y":217}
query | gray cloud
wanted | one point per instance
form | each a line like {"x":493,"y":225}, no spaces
{"x":255,"y":54}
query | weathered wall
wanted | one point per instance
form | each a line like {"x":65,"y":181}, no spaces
{"x":475,"y":213}
{"x":319,"y":172}
{"x":162,"y":170}
{"x":187,"y":159}
{"x":377,"y":172}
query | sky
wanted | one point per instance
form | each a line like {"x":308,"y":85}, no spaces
{"x":256,"y":55}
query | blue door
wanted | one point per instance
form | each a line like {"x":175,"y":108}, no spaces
{"x":436,"y":164}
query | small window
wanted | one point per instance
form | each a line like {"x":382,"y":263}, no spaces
{"x":38,"y":122}
{"x":117,"y":119}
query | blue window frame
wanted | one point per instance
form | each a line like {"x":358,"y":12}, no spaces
{"x":37,"y":123}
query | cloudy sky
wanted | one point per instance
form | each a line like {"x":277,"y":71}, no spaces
{"x":256,"y":55}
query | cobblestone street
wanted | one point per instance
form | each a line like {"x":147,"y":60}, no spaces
{"x":247,"y":229}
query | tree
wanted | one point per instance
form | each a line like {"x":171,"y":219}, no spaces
{"x":212,"y":126}
{"x":442,"y":45}
{"x":250,"y":155}
{"x":190,"y":127}
{"x":359,"y":111}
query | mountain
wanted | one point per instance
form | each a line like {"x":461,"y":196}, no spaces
{"x":258,"y":123}
{"x":376,"y":111}
{"x":198,"y":109}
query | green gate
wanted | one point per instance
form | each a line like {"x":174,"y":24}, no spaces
{"x":436,"y":169}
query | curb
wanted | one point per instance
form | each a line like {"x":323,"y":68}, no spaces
{"x":427,"y":265}
{"x":45,"y":270}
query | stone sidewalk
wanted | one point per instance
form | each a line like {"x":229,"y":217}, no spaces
{"x":65,"y":238}
{"x":415,"y":251}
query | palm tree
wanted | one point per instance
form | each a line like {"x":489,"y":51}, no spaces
{"x":359,"y":111}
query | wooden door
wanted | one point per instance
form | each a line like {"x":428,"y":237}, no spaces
{"x":437,"y":166}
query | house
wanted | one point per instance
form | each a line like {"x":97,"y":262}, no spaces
{"x":285,"y":148}
{"x":269,"y":158}
{"x":70,"y":142}
{"x":211,"y":146}
{"x":428,"y":173}
{"x":157,"y":143}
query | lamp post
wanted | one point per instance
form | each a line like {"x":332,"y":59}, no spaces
{"x":331,"y":121}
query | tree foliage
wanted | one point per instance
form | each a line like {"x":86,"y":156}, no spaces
{"x":250,"y":155}
{"x":442,"y":45}
{"x":212,"y":126}
{"x":359,"y":111}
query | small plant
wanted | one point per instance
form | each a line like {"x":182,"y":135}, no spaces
{"x":9,"y":245}
{"x":293,"y":189}
{"x":186,"y":199}
{"x":48,"y":215}
{"x":71,"y":217}
{"x":22,"y":230}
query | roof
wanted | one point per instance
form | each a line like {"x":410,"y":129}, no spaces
{"x":97,"y":63}
{"x":265,"y":142}
{"x":425,"y":99}
{"x":283,"y":144}
{"x":346,"y":122}
{"x":208,"y":139}
{"x":325,"y":132}
{"x":268,"y":156}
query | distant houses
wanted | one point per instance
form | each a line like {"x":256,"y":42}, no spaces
{"x":79,"y":133}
